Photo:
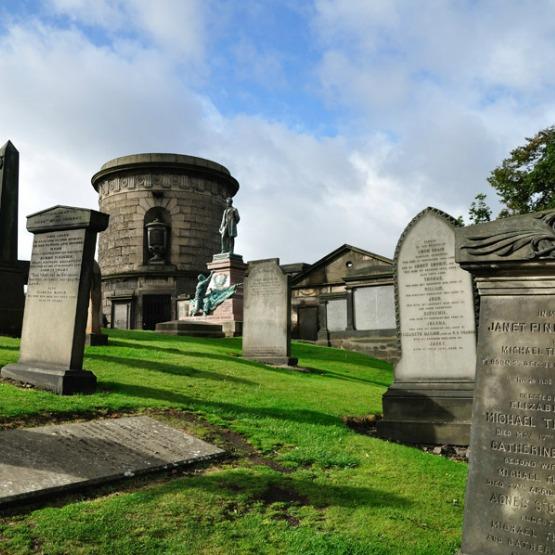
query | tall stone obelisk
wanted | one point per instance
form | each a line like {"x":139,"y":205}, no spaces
{"x":12,"y":272}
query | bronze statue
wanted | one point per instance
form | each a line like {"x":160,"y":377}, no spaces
{"x":228,"y":227}
{"x":200,"y":292}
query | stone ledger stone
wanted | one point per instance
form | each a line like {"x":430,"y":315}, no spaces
{"x":38,"y":462}
{"x":430,"y":400}
{"x":267,"y":314}
{"x":510,"y":496}
{"x":12,"y":272}
{"x":53,"y":337}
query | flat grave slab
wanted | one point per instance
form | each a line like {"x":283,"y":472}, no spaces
{"x":36,"y":462}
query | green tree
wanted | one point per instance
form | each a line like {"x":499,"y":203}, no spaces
{"x":525,"y":181}
{"x":479,"y":211}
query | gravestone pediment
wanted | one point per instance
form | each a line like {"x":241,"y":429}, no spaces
{"x":516,"y":239}
{"x":66,"y":217}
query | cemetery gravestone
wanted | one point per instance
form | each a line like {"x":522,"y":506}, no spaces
{"x":510,"y":497}
{"x":267,"y":314}
{"x":12,"y":274}
{"x":430,"y":400}
{"x":53,"y":337}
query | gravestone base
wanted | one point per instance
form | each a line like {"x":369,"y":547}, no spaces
{"x":431,"y":412}
{"x":96,"y":339}
{"x":192,"y":327}
{"x":274,"y":361}
{"x":60,"y":381}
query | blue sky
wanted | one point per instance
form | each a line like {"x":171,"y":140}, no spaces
{"x":341,"y":119}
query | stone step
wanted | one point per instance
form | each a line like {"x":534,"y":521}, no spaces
{"x":192,"y":328}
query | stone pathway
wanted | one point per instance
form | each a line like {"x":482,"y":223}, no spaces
{"x":58,"y":458}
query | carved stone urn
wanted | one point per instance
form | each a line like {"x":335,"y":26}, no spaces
{"x":157,"y":241}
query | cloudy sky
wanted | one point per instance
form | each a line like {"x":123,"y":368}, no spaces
{"x":341,"y":119}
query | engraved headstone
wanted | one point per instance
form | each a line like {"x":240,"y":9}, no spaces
{"x":510,"y":496}
{"x":12,"y":273}
{"x":267,"y":314}
{"x":430,"y":400}
{"x":53,"y":337}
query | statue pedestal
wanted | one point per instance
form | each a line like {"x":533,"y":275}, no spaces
{"x":227,"y":318}
{"x":229,"y":269}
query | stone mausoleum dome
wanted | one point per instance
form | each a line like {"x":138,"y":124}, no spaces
{"x":165,"y":211}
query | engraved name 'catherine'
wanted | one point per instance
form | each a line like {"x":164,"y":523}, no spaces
{"x":523,"y":449}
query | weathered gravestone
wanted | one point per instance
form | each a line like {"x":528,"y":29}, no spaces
{"x":510,"y":497}
{"x":12,"y":272}
{"x":267,"y":314}
{"x":53,"y":338}
{"x":430,"y":400}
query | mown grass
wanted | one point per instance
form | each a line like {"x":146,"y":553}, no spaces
{"x":339,"y":493}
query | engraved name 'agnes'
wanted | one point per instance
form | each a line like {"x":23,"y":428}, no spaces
{"x":522,"y":327}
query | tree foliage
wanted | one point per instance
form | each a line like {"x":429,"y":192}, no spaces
{"x":525,"y":181}
{"x":479,"y":211}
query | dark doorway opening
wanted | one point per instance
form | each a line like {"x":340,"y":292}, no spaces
{"x":308,"y":323}
{"x":156,"y":308}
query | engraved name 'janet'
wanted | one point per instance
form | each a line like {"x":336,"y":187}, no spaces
{"x":521,"y":327}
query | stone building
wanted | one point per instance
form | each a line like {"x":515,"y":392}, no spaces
{"x":165,"y":211}
{"x":345,"y":299}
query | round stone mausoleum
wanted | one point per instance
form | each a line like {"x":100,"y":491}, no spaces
{"x":165,"y":212}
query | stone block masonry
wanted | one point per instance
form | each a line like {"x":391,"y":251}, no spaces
{"x":187,"y":194}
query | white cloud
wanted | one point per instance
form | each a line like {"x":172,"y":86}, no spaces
{"x":73,"y":105}
{"x":178,"y":27}
{"x":427,"y":112}
{"x":456,"y":85}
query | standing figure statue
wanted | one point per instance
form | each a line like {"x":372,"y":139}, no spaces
{"x":228,"y":227}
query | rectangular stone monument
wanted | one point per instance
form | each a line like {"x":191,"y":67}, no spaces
{"x":12,"y":274}
{"x":267,"y":314}
{"x":430,"y":400}
{"x":53,"y":338}
{"x":510,"y":496}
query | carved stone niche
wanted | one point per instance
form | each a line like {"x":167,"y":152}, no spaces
{"x":157,"y":237}
{"x":157,"y":241}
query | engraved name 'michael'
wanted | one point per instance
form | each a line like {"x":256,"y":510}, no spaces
{"x":510,"y":419}
{"x":522,"y":327}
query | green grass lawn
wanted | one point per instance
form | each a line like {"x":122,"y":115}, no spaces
{"x":316,"y":487}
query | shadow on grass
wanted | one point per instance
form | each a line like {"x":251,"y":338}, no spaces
{"x":227,"y":409}
{"x":164,"y":367}
{"x":331,"y":354}
{"x":237,"y":359}
{"x":271,"y":488}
